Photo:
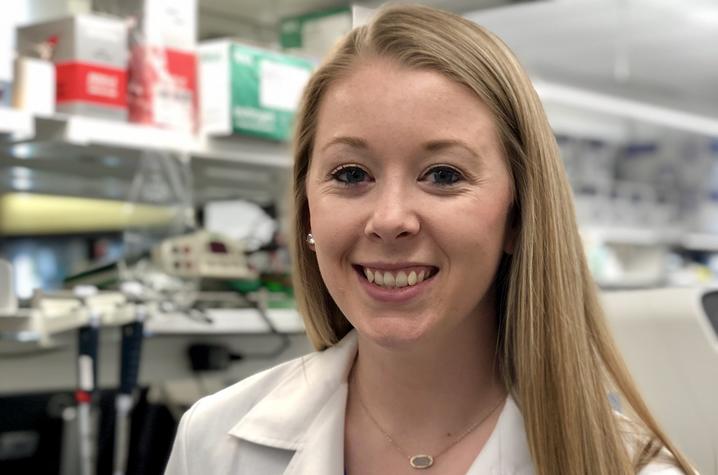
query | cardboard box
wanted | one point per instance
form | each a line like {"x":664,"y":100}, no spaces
{"x":90,"y":57}
{"x":314,"y":34}
{"x":168,"y":23}
{"x":34,"y":87}
{"x":247,"y":90}
{"x":163,"y":65}
{"x":163,"y":88}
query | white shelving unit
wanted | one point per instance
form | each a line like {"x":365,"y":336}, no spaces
{"x":700,"y":242}
{"x":96,"y":158}
{"x":242,"y":150}
{"x":86,"y":131}
{"x":98,"y":136}
{"x":59,"y":144}
{"x":226,"y":321}
{"x":691,"y":241}
{"x":634,"y":236}
{"x":16,"y":125}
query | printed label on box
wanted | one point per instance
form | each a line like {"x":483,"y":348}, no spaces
{"x":163,"y":87}
{"x":281,"y":85}
{"x":265,"y":91}
{"x":91,"y":83}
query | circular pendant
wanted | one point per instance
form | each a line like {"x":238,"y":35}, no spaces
{"x":421,"y":461}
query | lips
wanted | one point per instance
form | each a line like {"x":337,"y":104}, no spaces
{"x":399,"y":277}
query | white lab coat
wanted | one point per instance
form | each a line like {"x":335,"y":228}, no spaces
{"x":289,"y":420}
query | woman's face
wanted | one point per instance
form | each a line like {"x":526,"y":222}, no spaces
{"x":409,"y":198}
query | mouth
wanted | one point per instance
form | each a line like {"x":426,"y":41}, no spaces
{"x":396,"y":278}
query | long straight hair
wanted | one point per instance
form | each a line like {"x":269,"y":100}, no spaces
{"x":556,"y":353}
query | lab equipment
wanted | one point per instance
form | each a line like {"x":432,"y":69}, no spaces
{"x":87,"y":354}
{"x":202,"y":255}
{"x":669,"y":339}
{"x":131,"y":347}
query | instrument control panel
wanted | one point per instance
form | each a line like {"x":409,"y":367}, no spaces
{"x":204,"y":255}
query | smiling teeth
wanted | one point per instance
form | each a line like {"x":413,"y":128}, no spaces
{"x":398,"y":280}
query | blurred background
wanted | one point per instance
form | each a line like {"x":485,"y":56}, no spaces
{"x":144,"y":160}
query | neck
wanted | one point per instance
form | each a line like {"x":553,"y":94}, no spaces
{"x":442,"y":386}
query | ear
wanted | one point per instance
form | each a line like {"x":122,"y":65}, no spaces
{"x":310,"y":241}
{"x":308,"y":227}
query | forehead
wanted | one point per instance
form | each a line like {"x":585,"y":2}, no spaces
{"x":380,"y":99}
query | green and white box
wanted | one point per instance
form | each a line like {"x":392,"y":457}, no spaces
{"x":248,"y":90}
{"x":313,"y":34}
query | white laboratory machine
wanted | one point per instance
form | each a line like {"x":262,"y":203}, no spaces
{"x":669,"y":339}
{"x":202,"y":255}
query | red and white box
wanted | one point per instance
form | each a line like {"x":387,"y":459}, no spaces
{"x":162,"y":89}
{"x":90,"y":56}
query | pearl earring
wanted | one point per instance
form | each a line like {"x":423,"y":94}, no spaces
{"x":310,"y":239}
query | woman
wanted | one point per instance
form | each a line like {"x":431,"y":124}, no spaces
{"x":442,"y":279}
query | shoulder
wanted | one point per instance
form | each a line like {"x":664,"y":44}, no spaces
{"x":638,"y":439}
{"x":661,"y":466}
{"x":271,"y":408}
{"x":303,"y":382}
{"x":204,"y":428}
{"x":218,"y":412}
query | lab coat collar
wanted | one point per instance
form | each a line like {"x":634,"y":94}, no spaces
{"x":507,"y":450}
{"x":305,"y":412}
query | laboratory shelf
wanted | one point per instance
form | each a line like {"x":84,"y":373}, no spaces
{"x":226,"y":321}
{"x":28,"y":136}
{"x":16,"y":125}
{"x":244,"y":150}
{"x":18,"y":334}
{"x":700,"y":242}
{"x":631,"y":282}
{"x":632,"y":236}
{"x":86,"y":131}
{"x":674,"y":237}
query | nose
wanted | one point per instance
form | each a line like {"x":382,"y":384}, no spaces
{"x":394,"y":214}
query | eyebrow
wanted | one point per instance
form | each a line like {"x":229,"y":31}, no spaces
{"x":439,"y":145}
{"x":354,"y":142}
{"x":431,"y":146}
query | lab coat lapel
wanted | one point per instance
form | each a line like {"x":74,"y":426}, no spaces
{"x":507,"y":451}
{"x":304,"y":414}
{"x":323,"y":450}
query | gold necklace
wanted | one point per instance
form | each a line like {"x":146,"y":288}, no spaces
{"x":422,"y":461}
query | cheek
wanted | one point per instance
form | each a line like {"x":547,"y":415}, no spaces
{"x":335,"y":230}
{"x":476,"y":243}
{"x":328,"y":222}
{"x":319,"y":213}
{"x":483,"y":226}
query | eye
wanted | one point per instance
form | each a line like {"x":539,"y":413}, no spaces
{"x":350,"y":174}
{"x":443,"y":176}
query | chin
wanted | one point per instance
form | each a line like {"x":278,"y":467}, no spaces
{"x":393,"y":333}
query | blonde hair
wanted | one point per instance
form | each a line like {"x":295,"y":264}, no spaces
{"x":556,"y":353}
